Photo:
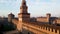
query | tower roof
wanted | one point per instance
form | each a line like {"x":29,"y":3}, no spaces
{"x":48,"y":14}
{"x":11,"y":14}
{"x":23,"y":7}
{"x":23,"y":2}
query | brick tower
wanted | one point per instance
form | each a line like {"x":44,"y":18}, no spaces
{"x":10,"y":17}
{"x":23,"y":15}
{"x":48,"y":18}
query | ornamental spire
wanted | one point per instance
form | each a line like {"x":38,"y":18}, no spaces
{"x":23,"y":2}
{"x":23,"y":7}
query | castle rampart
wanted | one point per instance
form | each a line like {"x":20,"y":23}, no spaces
{"x":50,"y":29}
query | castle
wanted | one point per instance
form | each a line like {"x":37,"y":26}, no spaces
{"x":47,"y":25}
{"x":40,"y":25}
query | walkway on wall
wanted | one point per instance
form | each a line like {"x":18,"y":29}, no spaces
{"x":36,"y":28}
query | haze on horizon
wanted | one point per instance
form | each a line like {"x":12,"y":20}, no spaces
{"x":35,"y":7}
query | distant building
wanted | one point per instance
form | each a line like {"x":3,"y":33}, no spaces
{"x":6,"y":23}
{"x":10,"y":17}
{"x":48,"y":19}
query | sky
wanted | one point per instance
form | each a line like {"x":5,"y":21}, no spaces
{"x":36,"y":8}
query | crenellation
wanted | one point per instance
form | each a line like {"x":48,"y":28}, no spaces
{"x":57,"y":31}
{"x":41,"y":27}
{"x":27,"y":25}
{"x":45,"y":25}
{"x":54,"y":30}
{"x":51,"y":30}
{"x":46,"y":28}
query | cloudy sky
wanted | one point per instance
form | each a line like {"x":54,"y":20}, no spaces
{"x":35,"y":7}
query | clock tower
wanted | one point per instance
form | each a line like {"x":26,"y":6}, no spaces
{"x":23,"y":16}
